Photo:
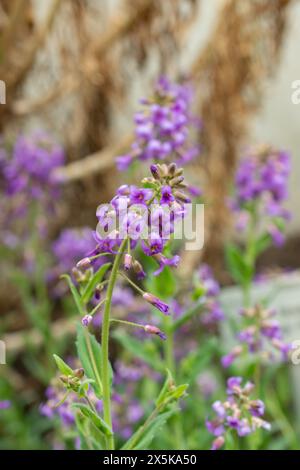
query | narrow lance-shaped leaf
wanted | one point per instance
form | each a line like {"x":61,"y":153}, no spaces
{"x":96,"y":279}
{"x":89,"y":352}
{"x":62,"y":366}
{"x":75,"y":294}
{"x":95,"y":419}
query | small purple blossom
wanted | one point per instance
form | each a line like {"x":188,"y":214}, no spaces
{"x":86,"y":320}
{"x":5,"y":404}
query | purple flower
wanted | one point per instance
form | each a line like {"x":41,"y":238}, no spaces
{"x":30,"y":170}
{"x":233,"y":414}
{"x":140,"y":195}
{"x":261,"y":188}
{"x":243,"y":428}
{"x":277,"y":235}
{"x":257,"y":408}
{"x":215,"y":427}
{"x":46,"y":411}
{"x":71,"y":246}
{"x":5,"y":404}
{"x":153,"y":246}
{"x":162,"y":127}
{"x":263,"y":331}
{"x":166,"y":195}
{"x":218,"y":407}
{"x":211,"y":285}
{"x":123,"y":162}
{"x":164,"y":261}
{"x":86,"y":320}
{"x":233,"y":383}
{"x":228,"y":359}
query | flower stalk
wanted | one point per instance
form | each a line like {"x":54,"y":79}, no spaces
{"x":105,"y":344}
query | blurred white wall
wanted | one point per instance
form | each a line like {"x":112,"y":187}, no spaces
{"x":278,"y":121}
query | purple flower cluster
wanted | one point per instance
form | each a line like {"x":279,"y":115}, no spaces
{"x":261,"y":335}
{"x":27,"y":178}
{"x":30,"y":169}
{"x":146,"y":214}
{"x":162,"y":127}
{"x":261,"y":187}
{"x":238,"y":413}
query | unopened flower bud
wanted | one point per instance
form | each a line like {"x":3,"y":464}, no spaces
{"x":148,"y":180}
{"x":159,"y":304}
{"x":78,"y":276}
{"x":98,"y":290}
{"x":179,"y":172}
{"x":127,"y":261}
{"x":64,"y":379}
{"x":176,"y":181}
{"x":84,"y":263}
{"x":164,"y":170}
{"x":182,"y":197}
{"x":154,"y":171}
{"x":138,"y":269}
{"x":153,"y":330}
{"x":172,"y":169}
{"x":79,"y":373}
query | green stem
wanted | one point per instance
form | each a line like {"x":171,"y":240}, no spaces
{"x":105,"y":344}
{"x":171,"y":365}
{"x":250,"y":257}
{"x":169,"y":346}
{"x":128,"y":323}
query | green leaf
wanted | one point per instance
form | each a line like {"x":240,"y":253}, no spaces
{"x":240,"y":270}
{"x":89,"y":352}
{"x":75,"y":294}
{"x":170,"y":392}
{"x":177,"y":393}
{"x":96,"y":279}
{"x":62,"y":366}
{"x":143,"y":437}
{"x":95,"y":419}
{"x":165,"y":389}
{"x":145,"y":350}
{"x":262,"y":243}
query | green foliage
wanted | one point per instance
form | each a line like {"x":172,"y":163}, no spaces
{"x":89,"y":353}
{"x":241,"y":270}
{"x":166,"y":407}
{"x":92,"y":283}
{"x":94,"y":418}
{"x":146,"y":350}
{"x":62,"y":366}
